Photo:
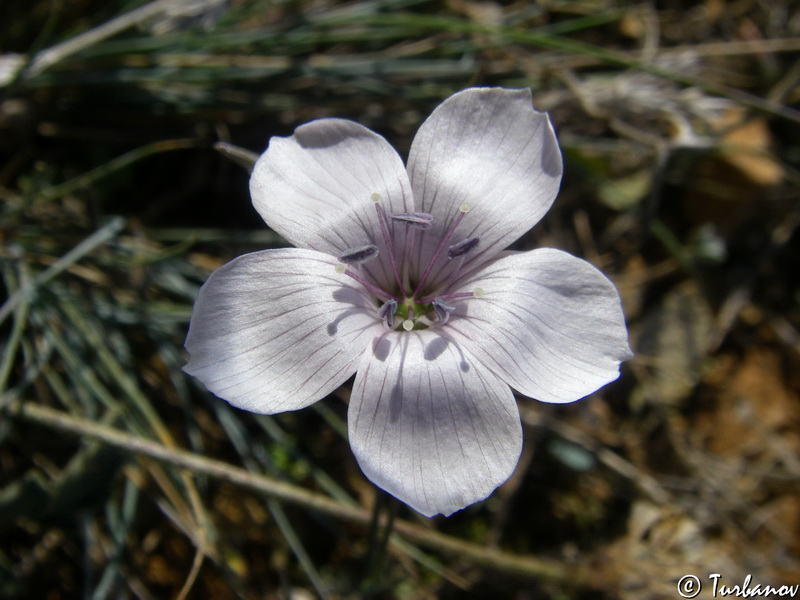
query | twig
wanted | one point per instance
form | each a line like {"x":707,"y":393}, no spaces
{"x":526,"y":566}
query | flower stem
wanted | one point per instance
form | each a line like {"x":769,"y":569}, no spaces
{"x":380,"y":531}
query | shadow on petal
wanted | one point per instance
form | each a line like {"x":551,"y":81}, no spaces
{"x":381,"y":347}
{"x":315,"y":137}
{"x":328,"y":133}
{"x":434,"y":349}
{"x":348,"y":295}
{"x":345,"y":296}
{"x":396,"y":402}
{"x":333,"y":326}
{"x":551,"y":161}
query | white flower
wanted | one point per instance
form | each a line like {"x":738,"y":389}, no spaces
{"x":400,"y":277}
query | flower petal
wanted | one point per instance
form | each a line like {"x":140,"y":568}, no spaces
{"x":315,"y":189}
{"x":549,"y":324}
{"x":429,"y":425}
{"x":489,"y":148}
{"x":278,"y":330}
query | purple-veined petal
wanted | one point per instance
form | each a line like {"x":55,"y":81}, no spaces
{"x":549,"y":324}
{"x":429,"y":424}
{"x":278,"y":330}
{"x":316,"y":188}
{"x":488,"y":148}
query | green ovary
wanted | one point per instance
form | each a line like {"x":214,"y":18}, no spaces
{"x":416,"y":309}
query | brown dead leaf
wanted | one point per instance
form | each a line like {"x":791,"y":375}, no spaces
{"x":748,"y":148}
{"x":734,"y":185}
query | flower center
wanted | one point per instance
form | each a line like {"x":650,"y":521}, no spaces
{"x":406,"y":304}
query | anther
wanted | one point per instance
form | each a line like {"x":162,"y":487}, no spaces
{"x":386,"y":312}
{"x":417,"y":220}
{"x":478,"y":293}
{"x":463,"y":247}
{"x":442,"y":310}
{"x":340,"y":268}
{"x":408,"y":325}
{"x":375,"y":197}
{"x":356,"y":256}
{"x":465,"y":208}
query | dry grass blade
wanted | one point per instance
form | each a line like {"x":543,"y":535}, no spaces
{"x":101,"y":236}
{"x":47,"y":58}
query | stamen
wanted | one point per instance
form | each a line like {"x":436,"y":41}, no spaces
{"x":375,"y":197}
{"x":442,"y":310}
{"x":386,"y":312}
{"x":463,"y":210}
{"x":478,"y":293}
{"x":361,"y":254}
{"x":373,"y":288}
{"x":387,"y":240}
{"x":408,"y":325}
{"x":463,"y":247}
{"x":417,"y":220}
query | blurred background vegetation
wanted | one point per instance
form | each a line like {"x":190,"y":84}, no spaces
{"x":680,"y":126}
